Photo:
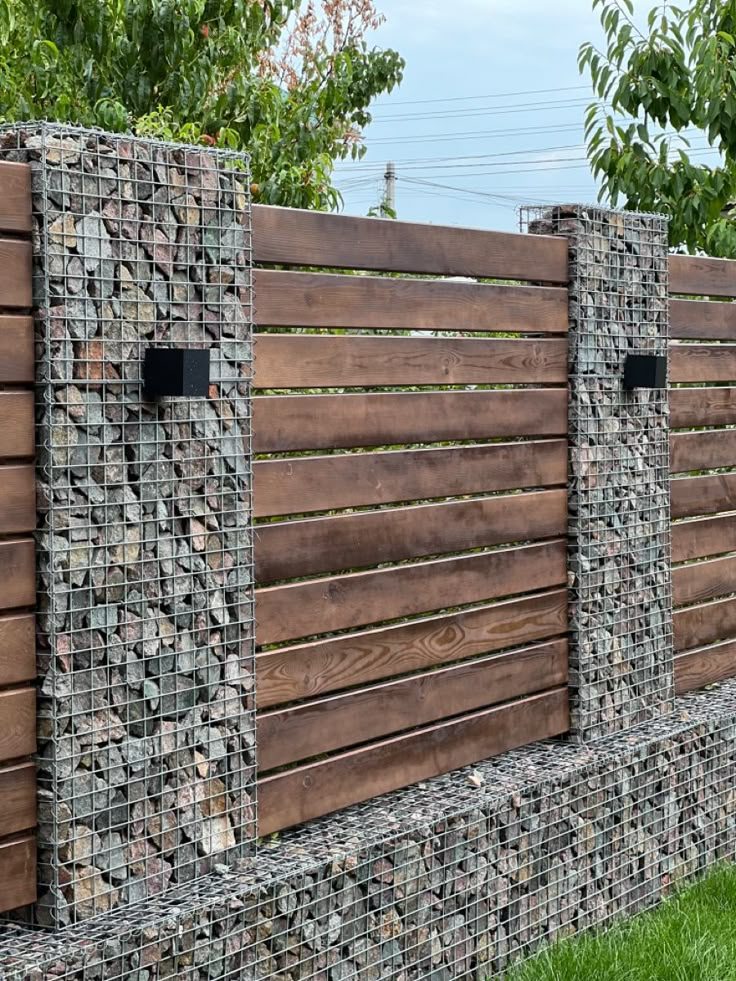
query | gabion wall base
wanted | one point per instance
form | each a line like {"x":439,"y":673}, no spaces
{"x":146,"y":728}
{"x":452,"y":879}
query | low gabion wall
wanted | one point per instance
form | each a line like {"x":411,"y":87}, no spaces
{"x":452,"y":879}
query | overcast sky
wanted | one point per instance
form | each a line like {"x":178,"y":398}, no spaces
{"x":485,"y":49}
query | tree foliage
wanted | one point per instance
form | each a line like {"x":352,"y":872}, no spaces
{"x":663,"y":87}
{"x":291,"y":81}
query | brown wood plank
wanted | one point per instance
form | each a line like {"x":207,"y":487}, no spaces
{"x":15,"y":198}
{"x":285,"y":361}
{"x":328,"y":724}
{"x":17,"y":499}
{"x":17,"y":723}
{"x":17,"y":874}
{"x":307,"y":670}
{"x":702,"y":451}
{"x":696,"y":626}
{"x":702,"y":276}
{"x":705,"y":666}
{"x":314,"y":422}
{"x":361,"y":598}
{"x":698,"y":538}
{"x":710,"y":320}
{"x":16,"y":350}
{"x":15,"y":273}
{"x":17,"y":648}
{"x":289,"y":236}
{"x":322,"y":483}
{"x":289,"y":549}
{"x":17,"y":433}
{"x":699,"y":581}
{"x":17,"y":573}
{"x":702,"y":407}
{"x":296,"y":299}
{"x":306,"y":792}
{"x":691,"y":496}
{"x":702,"y":363}
{"x":17,"y":798}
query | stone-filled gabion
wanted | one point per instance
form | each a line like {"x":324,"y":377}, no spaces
{"x":621,"y":650}
{"x":146,"y":740}
{"x":448,"y":880}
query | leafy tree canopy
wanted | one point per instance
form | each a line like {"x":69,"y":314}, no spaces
{"x":667,"y":88}
{"x":291,"y":81}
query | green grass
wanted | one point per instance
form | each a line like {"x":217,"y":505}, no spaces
{"x":690,"y":937}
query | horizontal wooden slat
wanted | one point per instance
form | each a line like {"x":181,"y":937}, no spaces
{"x":707,"y":320}
{"x":341,"y":361}
{"x":702,"y":407}
{"x":328,"y":724}
{"x":700,"y":537}
{"x":308,"y":670}
{"x":705,"y":666}
{"x":17,"y":873}
{"x":17,"y":573}
{"x":360,"y":598}
{"x":17,"y":499}
{"x":702,"y":276}
{"x":16,"y":350}
{"x":704,"y":624}
{"x":17,"y":723}
{"x":691,"y":496}
{"x":316,"y":422}
{"x":288,"y":549}
{"x":303,"y":484}
{"x":306,"y":792}
{"x":17,"y":648}
{"x":702,"y":363}
{"x":288,"y":236}
{"x":295,"y":299}
{"x":15,"y":198}
{"x":17,"y":432}
{"x":17,"y":798}
{"x":702,"y":451}
{"x":15,"y":273}
{"x":699,"y":581}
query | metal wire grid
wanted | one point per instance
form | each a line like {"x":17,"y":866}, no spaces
{"x":620,"y":529}
{"x":147,"y":731}
{"x":445,"y":881}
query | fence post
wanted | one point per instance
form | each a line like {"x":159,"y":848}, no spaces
{"x":620,"y":575}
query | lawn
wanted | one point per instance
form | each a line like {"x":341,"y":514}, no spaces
{"x":690,"y":937}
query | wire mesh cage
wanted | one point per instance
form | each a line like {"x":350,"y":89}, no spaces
{"x":146,"y":721}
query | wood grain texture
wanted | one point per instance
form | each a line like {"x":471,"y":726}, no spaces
{"x":699,"y":581}
{"x":17,"y":798}
{"x":17,"y":432}
{"x":691,"y":407}
{"x":17,"y":723}
{"x":706,"y":623}
{"x":285,"y":361}
{"x":702,"y":276}
{"x":289,"y":549}
{"x":17,"y":573}
{"x":341,"y":602}
{"x":702,"y":451}
{"x":328,"y":724}
{"x":317,"y":422}
{"x":289,"y":236}
{"x":15,"y":198}
{"x":17,"y":499}
{"x":308,"y":670}
{"x":707,"y":320}
{"x":702,"y":363}
{"x":691,"y":496}
{"x":15,"y":273}
{"x":16,"y":350}
{"x":322,"y":483}
{"x":698,"y":538}
{"x":306,"y":792}
{"x":705,"y":666}
{"x":295,"y":299}
{"x":17,"y":648}
{"x":17,"y":873}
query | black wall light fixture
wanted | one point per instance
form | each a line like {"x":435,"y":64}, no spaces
{"x":645,"y":371}
{"x":176,"y":371}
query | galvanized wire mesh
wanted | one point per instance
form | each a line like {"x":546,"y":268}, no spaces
{"x":147,"y":732}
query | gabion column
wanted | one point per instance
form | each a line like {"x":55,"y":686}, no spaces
{"x":146,"y":728}
{"x":621,"y":652}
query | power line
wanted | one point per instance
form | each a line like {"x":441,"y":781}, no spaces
{"x":484,"y":111}
{"x":495,"y":95}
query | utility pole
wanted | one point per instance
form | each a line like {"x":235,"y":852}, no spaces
{"x":388,"y":205}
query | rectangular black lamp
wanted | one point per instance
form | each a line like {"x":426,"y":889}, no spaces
{"x":176,"y":371}
{"x":645,"y":371}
